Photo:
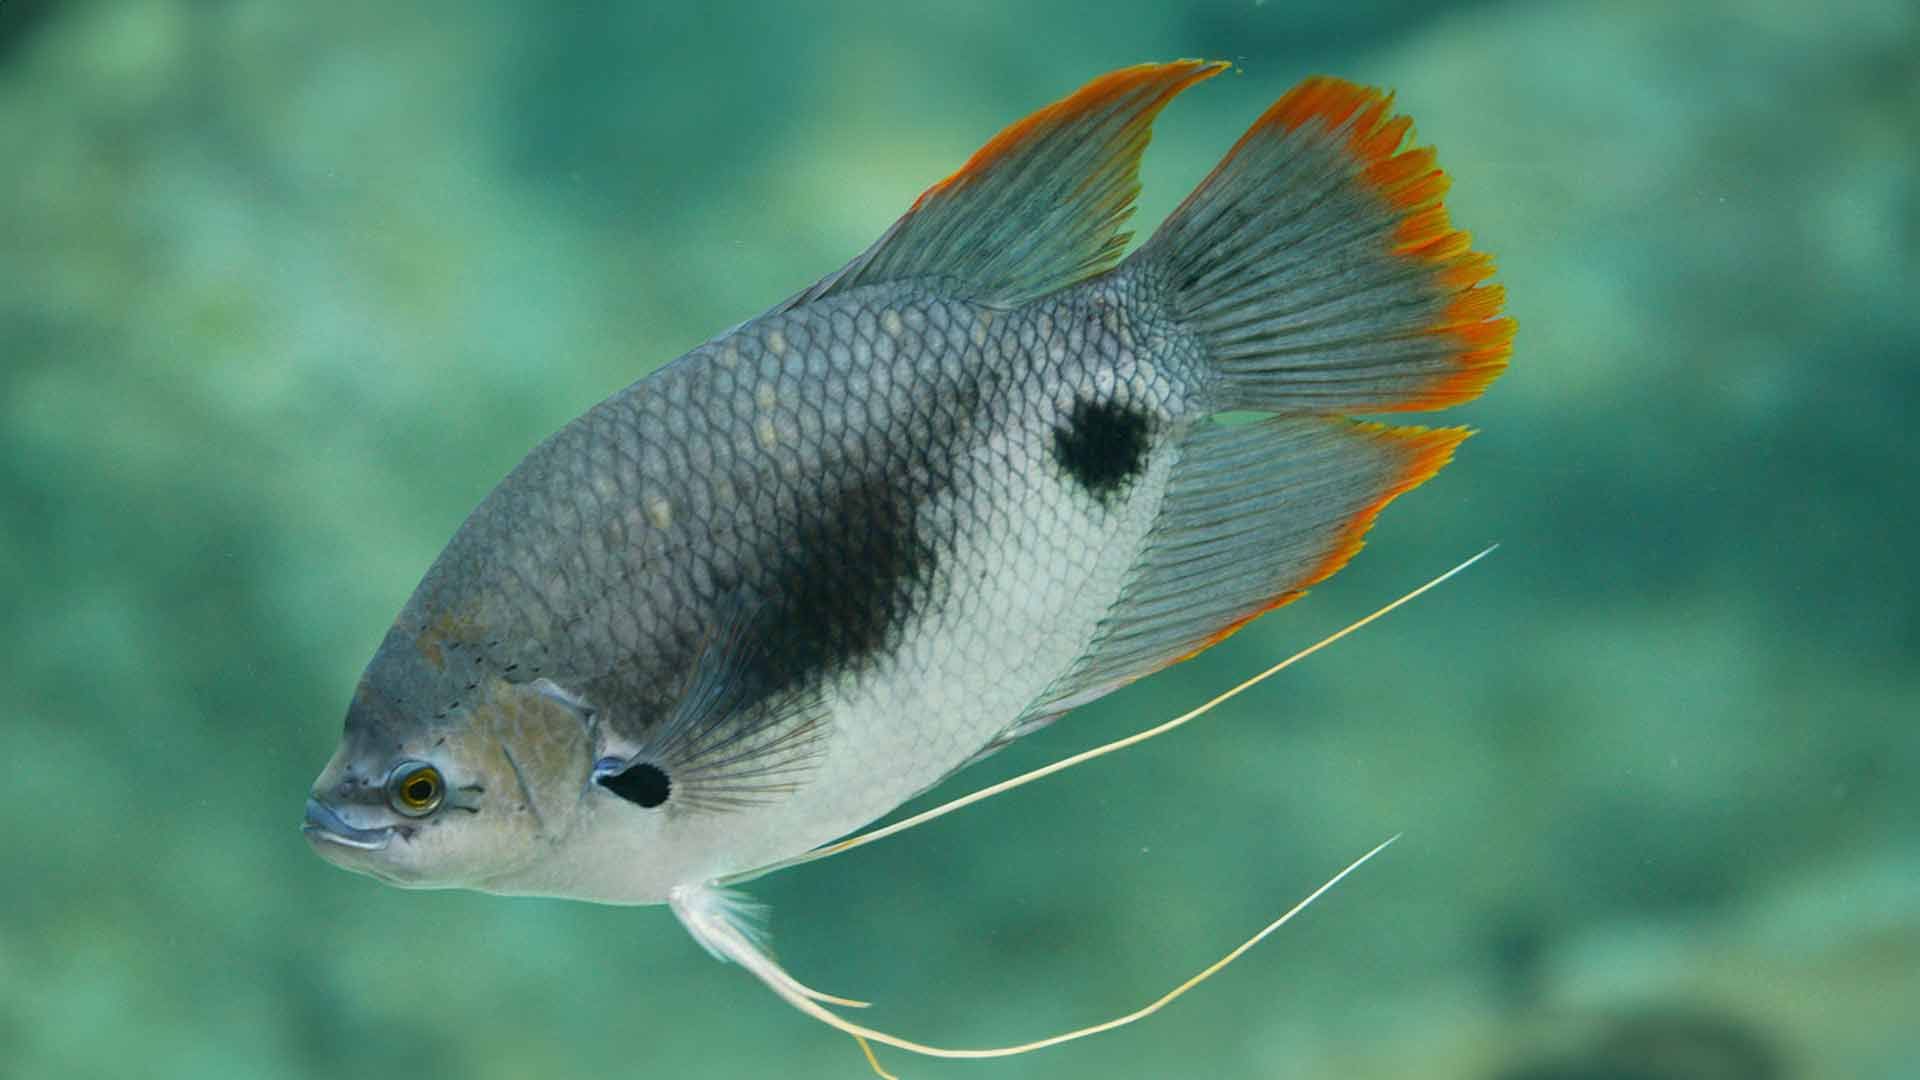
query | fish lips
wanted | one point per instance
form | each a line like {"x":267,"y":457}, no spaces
{"x":325,"y":825}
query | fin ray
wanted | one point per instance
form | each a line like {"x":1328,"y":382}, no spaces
{"x":1254,"y":516}
{"x":726,"y":743}
{"x":1319,"y":268}
{"x":1040,"y":206}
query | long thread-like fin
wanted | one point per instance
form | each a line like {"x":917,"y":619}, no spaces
{"x":1039,"y":207}
{"x":1319,"y":269}
{"x":706,"y":913}
{"x":1254,"y":516}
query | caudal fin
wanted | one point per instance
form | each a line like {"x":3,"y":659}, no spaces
{"x":1318,"y":267}
{"x":1318,"y":270}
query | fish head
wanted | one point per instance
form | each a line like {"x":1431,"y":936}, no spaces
{"x":448,"y":783}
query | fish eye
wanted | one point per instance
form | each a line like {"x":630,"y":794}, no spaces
{"x":414,"y":788}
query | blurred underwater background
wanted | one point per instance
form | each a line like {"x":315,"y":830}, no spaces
{"x":286,"y":288}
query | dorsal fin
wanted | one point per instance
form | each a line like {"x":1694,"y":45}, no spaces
{"x":1037,"y":208}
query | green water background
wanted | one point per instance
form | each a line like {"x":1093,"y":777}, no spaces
{"x":285,"y":288}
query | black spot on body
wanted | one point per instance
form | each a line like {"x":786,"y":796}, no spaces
{"x":854,"y":571}
{"x":833,"y":564}
{"x":644,"y":783}
{"x":1103,"y":446}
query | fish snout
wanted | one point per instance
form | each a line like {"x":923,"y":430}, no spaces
{"x":325,"y":825}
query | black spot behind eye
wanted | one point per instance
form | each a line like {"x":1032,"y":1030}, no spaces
{"x":645,"y":784}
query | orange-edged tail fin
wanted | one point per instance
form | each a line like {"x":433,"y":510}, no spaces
{"x":1254,"y":516}
{"x":1319,"y":268}
{"x":1040,"y":206}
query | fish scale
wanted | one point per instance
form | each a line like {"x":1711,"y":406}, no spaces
{"x":951,"y":491}
{"x":978,"y":613}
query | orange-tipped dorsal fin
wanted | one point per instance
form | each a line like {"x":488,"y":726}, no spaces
{"x":1040,"y":206}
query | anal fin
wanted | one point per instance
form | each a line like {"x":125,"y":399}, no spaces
{"x":1254,"y":516}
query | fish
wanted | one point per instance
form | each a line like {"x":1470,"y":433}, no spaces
{"x":970,"y":481}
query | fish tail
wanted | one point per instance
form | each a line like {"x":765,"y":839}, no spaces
{"x":1318,"y":268}
{"x":1318,"y":272}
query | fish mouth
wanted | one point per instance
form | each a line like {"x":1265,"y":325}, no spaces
{"x":323,"y":823}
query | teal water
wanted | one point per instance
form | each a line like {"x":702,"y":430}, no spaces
{"x":285,"y":288}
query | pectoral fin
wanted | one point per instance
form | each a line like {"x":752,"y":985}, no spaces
{"x":738,"y":736}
